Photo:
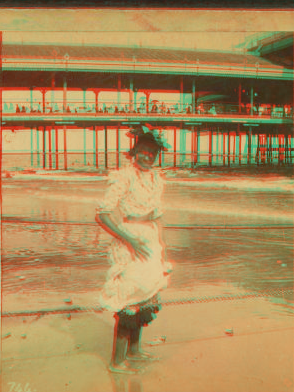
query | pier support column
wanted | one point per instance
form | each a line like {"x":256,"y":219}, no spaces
{"x":182,"y":146}
{"x":257,"y":150}
{"x":210,"y":147}
{"x":224,"y":148}
{"x":64,"y":94}
{"x":43,"y":91}
{"x":105,"y":148}
{"x":251,"y":101}
{"x":290,"y":148}
{"x":193,"y":97}
{"x":271,"y":149}
{"x":277,"y":152}
{"x":234,"y":147}
{"x":32,"y":147}
{"x":216,"y":144}
{"x":286,"y":148}
{"x":147,"y":93}
{"x":198,"y":156}
{"x":56,"y":149}
{"x":44,"y":147}
{"x":161,"y":154}
{"x":84,"y":99}
{"x":131,"y":142}
{"x":240,"y":145}
{"x":85,"y":145}
{"x":31,"y":99}
{"x":52,"y":130}
{"x":264,"y":149}
{"x":95,"y":145}
{"x":228,"y":148}
{"x":267,"y":147}
{"x":192,"y":146}
{"x":64,"y":148}
{"x":279,"y":149}
{"x":131,"y":97}
{"x":175,"y":147}
{"x":117,"y":148}
{"x":249,"y":135}
{"x":96,"y":92}
{"x":283,"y":148}
{"x":38,"y":147}
{"x":50,"y":147}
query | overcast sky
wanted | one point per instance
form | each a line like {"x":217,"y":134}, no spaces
{"x":193,"y":29}
{"x":188,"y":40}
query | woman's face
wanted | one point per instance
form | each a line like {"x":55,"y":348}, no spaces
{"x":145,"y":156}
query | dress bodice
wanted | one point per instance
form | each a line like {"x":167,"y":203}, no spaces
{"x":133,"y":192}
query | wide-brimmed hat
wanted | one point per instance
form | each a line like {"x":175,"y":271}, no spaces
{"x":147,"y":131}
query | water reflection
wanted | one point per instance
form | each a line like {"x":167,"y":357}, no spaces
{"x":126,"y":383}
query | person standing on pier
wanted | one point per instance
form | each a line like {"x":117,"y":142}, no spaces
{"x":130,"y":212}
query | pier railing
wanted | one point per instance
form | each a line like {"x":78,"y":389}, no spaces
{"x":158,"y":108}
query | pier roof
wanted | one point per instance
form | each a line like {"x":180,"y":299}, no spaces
{"x":277,"y":47}
{"x":128,"y":53}
{"x":137,"y":59}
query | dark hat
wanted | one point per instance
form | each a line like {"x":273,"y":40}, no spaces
{"x":145,"y":133}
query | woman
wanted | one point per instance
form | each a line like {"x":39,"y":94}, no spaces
{"x":130,"y":212}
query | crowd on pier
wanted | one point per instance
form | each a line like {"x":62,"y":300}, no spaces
{"x":155,"y":108}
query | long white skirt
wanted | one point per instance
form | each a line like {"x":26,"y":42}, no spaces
{"x":131,"y":280}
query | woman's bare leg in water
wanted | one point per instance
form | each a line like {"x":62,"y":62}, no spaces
{"x":135,"y":341}
{"x":121,"y":341}
{"x":135,"y":351}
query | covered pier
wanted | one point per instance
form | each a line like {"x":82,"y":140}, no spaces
{"x":68,"y":107}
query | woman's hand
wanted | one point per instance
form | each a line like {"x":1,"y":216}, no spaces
{"x":139,"y":248}
{"x":154,"y":215}
{"x":97,"y":218}
{"x":136,"y":246}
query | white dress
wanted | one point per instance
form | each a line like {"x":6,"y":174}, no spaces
{"x":133,"y":193}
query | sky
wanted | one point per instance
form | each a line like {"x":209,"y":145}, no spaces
{"x":189,"y":29}
{"x":226,"y":41}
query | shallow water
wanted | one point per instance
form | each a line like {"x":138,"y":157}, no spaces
{"x":219,"y":229}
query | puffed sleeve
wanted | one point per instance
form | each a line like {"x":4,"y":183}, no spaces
{"x":117,"y":186}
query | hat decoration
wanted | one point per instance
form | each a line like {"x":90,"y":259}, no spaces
{"x":157,"y":133}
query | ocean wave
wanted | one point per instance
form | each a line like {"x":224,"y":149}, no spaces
{"x":241,"y":184}
{"x":236,"y":210}
{"x":232,"y":211}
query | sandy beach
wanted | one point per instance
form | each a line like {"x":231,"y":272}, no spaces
{"x":227,"y":318}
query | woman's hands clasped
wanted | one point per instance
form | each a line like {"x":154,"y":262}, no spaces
{"x":139,"y":248}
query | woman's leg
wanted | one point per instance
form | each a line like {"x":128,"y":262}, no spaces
{"x":120,"y":346}
{"x":135,"y":341}
{"x":135,"y":351}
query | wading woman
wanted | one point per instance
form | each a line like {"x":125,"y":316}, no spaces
{"x":131,"y":212}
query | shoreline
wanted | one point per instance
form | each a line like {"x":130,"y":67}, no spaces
{"x":174,"y":173}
